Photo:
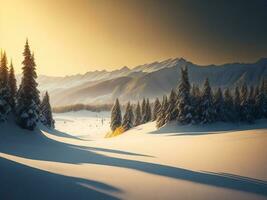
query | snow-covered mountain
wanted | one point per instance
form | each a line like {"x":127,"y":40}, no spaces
{"x":148,"y":80}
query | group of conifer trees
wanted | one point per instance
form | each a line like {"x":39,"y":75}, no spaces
{"x":192,"y":105}
{"x":23,"y":103}
{"x":134,"y":115}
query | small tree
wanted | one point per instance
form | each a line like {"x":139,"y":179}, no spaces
{"x":156,"y":109}
{"x":207,"y":107}
{"x":138,"y":116}
{"x":128,"y":118}
{"x":46,"y":112}
{"x":4,"y":89}
{"x":115,"y":116}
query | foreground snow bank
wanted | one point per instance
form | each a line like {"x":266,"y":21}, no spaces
{"x":143,"y":163}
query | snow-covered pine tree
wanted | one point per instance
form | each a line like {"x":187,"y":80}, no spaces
{"x":12,"y":84}
{"x":138,"y":117}
{"x":128,"y":118}
{"x":46,"y":115}
{"x":4,"y":89}
{"x":156,"y":109}
{"x":171,"y":112}
{"x":218,"y":103}
{"x":206,"y":104}
{"x":195,"y":104}
{"x":237,"y":105}
{"x":143,"y":110}
{"x":245,"y":107}
{"x":115,"y":116}
{"x":183,"y":103}
{"x":162,"y":113}
{"x":28,"y":102}
{"x":228,"y":107}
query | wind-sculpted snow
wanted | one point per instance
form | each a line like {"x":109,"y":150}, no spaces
{"x":189,"y":162}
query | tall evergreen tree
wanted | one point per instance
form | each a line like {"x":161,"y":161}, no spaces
{"x":218,"y":105}
{"x":171,"y":112}
{"x":138,"y":116}
{"x":46,"y":112}
{"x":128,"y":118}
{"x":156,"y":109}
{"x":162,"y":113}
{"x":184,"y":108}
{"x":12,"y":84}
{"x":115,"y":116}
{"x":207,"y":107}
{"x":4,"y":89}
{"x":27,"y":109}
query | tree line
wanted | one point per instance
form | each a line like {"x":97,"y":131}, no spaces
{"x":194,"y":105}
{"x":24,"y":102}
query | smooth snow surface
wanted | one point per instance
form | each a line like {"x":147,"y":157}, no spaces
{"x":219,"y":162}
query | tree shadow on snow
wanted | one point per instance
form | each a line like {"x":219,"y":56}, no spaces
{"x":21,"y":182}
{"x":38,"y":147}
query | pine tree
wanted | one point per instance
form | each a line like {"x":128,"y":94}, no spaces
{"x":162,"y":113}
{"x":128,"y":117}
{"x":28,"y":102}
{"x":115,"y":116}
{"x":143,"y":110}
{"x":12,"y":84}
{"x":228,"y":107}
{"x":183,"y":106}
{"x":237,"y":105}
{"x":4,"y":89}
{"x":138,"y":116}
{"x":156,"y":109}
{"x":218,"y":105}
{"x":207,"y":107}
{"x":171,"y":112}
{"x":245,"y":106}
{"x":46,"y":112}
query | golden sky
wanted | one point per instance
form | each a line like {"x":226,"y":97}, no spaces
{"x":76,"y":36}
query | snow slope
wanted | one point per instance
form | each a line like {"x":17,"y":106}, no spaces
{"x":210,"y":162}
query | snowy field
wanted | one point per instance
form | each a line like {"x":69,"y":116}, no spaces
{"x":75,"y":162}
